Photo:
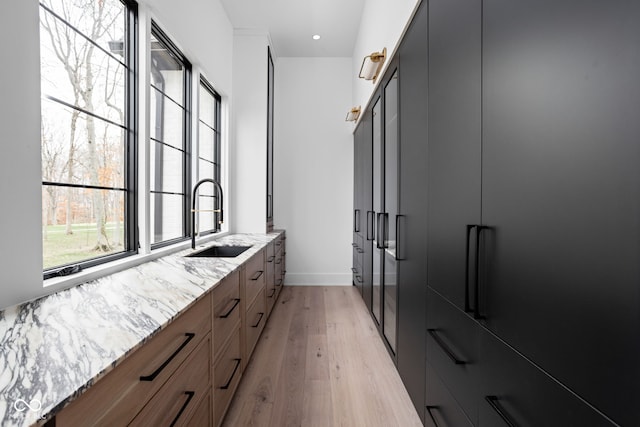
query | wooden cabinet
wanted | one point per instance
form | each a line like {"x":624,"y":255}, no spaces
{"x":122,"y":394}
{"x":270,"y":276}
{"x":226,"y":376}
{"x":187,"y":374}
{"x":280,"y":262}
{"x":176,"y":402}
{"x":254,"y":305}
{"x":226,"y":311}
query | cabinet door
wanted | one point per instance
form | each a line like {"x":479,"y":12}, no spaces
{"x":270,"y":111}
{"x":453,"y":162}
{"x":391,"y":151}
{"x":453,"y":350}
{"x":441,"y":409}
{"x":561,"y":101}
{"x":378,"y":209}
{"x":515,"y":392}
{"x":366,"y":189}
{"x":411,"y":242}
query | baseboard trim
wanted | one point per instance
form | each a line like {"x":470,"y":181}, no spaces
{"x":315,"y":279}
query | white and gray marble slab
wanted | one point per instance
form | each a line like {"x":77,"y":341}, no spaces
{"x":52,"y":349}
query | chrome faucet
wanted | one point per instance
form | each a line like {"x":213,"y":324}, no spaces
{"x":218,"y":209}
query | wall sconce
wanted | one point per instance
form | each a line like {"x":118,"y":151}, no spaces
{"x":372,"y":64}
{"x":353,"y":115}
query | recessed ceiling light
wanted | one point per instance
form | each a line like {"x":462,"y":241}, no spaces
{"x":316,"y":37}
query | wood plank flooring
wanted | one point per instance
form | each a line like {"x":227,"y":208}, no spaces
{"x":320,"y":362}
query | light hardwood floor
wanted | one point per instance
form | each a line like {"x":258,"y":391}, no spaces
{"x":320,"y":362}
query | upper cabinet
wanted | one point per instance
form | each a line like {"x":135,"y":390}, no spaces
{"x":270,"y":105}
{"x":253,"y":146}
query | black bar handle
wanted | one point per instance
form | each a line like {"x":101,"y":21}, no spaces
{"x":359,"y":278}
{"x":467,"y":305}
{"x":271,"y":258}
{"x":155,"y":373}
{"x":233,"y":374}
{"x":370,"y":220}
{"x":385,"y":224}
{"x":273,"y":292}
{"x":278,"y":282}
{"x":257,"y":275}
{"x":354,"y":270}
{"x":495,"y":404}
{"x":260,"y":315}
{"x":433,"y":419}
{"x":356,"y":220}
{"x":236,"y":301}
{"x":444,"y":347}
{"x":190,"y":395}
{"x":476,"y":301}
{"x":379,"y":233}
{"x":400,"y":256}
{"x":360,"y":250}
{"x":279,"y":261}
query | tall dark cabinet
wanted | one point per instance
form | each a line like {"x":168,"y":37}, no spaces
{"x":532,"y":235}
{"x":270,"y":111}
{"x":394,"y":127}
{"x":512,"y":215}
{"x":411,"y":223}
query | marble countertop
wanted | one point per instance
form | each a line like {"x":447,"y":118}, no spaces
{"x":53,"y":348}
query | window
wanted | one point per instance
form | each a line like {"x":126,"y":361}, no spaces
{"x":209,"y":157}
{"x":87,"y":132}
{"x":170,"y":136}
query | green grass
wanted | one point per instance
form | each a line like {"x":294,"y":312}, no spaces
{"x":60,"y":248}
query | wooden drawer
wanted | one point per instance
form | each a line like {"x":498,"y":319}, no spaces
{"x":271,"y":283}
{"x":226,"y":376}
{"x":255,"y":321}
{"x":178,"y":399}
{"x":121,"y":394}
{"x":254,"y":277}
{"x":203,"y":415}
{"x":226,"y":310}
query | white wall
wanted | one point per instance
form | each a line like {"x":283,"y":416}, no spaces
{"x":382,"y":25}
{"x":201,"y":30}
{"x":20,"y":176}
{"x":313,"y":168}
{"x":249,"y":132}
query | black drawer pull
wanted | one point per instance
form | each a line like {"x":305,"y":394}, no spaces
{"x":233,"y":374}
{"x":278,"y":282}
{"x":495,"y":404}
{"x":433,"y":419}
{"x":236,"y":301}
{"x":273,"y":292}
{"x":260,"y":315}
{"x":190,"y":395}
{"x":359,"y":279}
{"x":271,"y":258}
{"x":444,"y":347}
{"x":354,"y":270}
{"x":155,"y":373}
{"x":279,"y":261}
{"x":257,"y":275}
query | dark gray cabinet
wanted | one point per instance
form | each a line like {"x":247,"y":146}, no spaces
{"x":411,"y":223}
{"x":560,"y":185}
{"x":270,"y":118}
{"x":533,"y":223}
{"x":454,"y":160}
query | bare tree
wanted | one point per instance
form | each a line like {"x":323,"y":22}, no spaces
{"x":76,"y":54}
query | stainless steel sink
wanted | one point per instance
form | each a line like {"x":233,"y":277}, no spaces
{"x":220,"y":252}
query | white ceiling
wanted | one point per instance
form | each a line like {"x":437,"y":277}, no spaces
{"x":292,"y":23}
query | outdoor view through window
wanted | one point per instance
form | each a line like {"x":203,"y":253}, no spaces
{"x":85,"y":130}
